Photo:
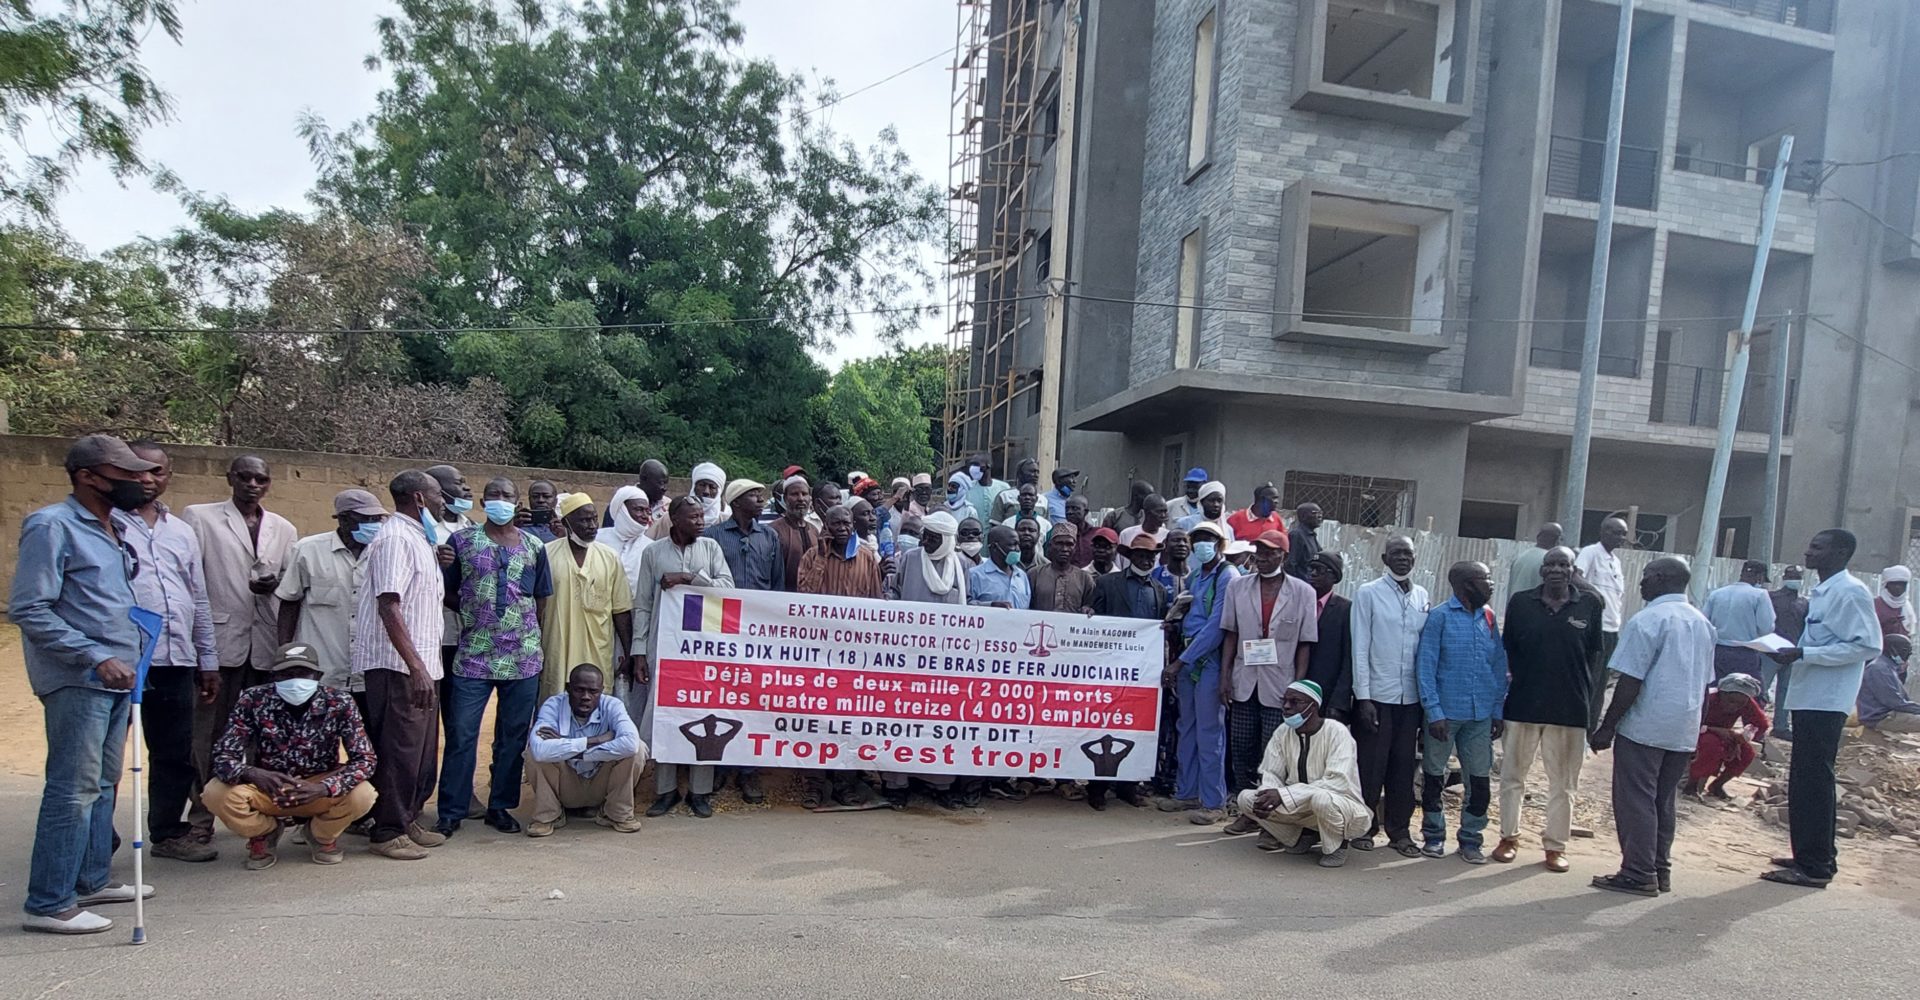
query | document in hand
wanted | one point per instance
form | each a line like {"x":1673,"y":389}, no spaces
{"x":1772,"y":642}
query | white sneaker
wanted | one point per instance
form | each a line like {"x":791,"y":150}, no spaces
{"x":117,"y":892}
{"x":83,"y":922}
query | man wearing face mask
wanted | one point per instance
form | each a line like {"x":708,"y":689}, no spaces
{"x":1309,"y":791}
{"x":243,"y":549}
{"x":1268,"y":628}
{"x":1065,"y":482}
{"x":983,"y":489}
{"x":454,"y":519}
{"x":1463,"y":690}
{"x":684,"y":558}
{"x":1259,"y":518}
{"x":589,"y":618}
{"x":280,"y":758}
{"x":321,"y":587}
{"x":970,"y":542}
{"x":1884,"y":704}
{"x":1131,"y":593}
{"x":500,"y":579}
{"x":1202,"y":787}
{"x":396,"y":642}
{"x":1388,"y":615}
{"x":1789,"y":622}
{"x":72,"y":591}
{"x":999,"y":581}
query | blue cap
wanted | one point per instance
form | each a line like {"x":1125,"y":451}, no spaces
{"x":1196,"y":475}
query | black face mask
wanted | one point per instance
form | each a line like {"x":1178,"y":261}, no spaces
{"x":126,"y":494}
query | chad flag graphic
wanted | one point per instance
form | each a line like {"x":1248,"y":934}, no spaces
{"x":700,"y":613}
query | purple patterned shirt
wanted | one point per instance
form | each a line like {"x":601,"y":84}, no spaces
{"x":496,"y":586}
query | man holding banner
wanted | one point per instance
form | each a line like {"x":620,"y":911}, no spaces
{"x":683,"y":558}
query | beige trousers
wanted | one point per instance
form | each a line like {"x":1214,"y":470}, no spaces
{"x":1561,"y":750}
{"x":1335,"y":817}
{"x":250,"y":812}
{"x":557,"y":787}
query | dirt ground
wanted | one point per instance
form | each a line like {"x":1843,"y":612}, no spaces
{"x":1725,"y":836}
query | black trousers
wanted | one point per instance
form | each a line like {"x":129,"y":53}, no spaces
{"x":1386,"y":767}
{"x":1810,"y":794}
{"x":166,"y":713}
{"x":1250,"y":727}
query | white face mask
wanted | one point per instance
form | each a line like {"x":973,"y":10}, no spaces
{"x":1400,"y":577}
{"x":972,"y":549}
{"x":1276,"y":571}
{"x":296,"y":690}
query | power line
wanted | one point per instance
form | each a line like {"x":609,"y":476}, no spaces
{"x":929,"y":309}
{"x":889,"y":78}
{"x":1844,"y":335}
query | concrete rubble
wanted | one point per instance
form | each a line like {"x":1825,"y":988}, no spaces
{"x":1878,"y":785}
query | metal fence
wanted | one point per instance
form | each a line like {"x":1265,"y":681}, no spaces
{"x":1801,"y":176}
{"x":1816,"y":15}
{"x":1574,"y":165}
{"x":1691,"y":395}
{"x":1434,"y":553}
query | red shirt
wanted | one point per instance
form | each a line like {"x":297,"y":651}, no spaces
{"x":1749,"y":712}
{"x":1246,"y":527}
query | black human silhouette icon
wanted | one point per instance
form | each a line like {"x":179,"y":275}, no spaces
{"x":1106,"y":759}
{"x":712,"y":744}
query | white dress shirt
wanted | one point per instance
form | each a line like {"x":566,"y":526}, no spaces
{"x":1602,"y":569}
{"x":1386,"y":623}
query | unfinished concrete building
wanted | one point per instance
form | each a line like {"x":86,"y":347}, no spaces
{"x":1344,"y":245}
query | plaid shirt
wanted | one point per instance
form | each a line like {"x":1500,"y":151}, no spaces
{"x":1463,"y":665}
{"x":302,"y":745}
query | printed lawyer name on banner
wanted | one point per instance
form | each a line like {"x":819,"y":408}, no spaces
{"x":796,"y":680}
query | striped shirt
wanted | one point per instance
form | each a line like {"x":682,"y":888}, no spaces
{"x":400,"y":561}
{"x":825,"y":572}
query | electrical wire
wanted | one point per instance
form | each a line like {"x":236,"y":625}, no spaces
{"x":1844,"y":335}
{"x":889,"y":78}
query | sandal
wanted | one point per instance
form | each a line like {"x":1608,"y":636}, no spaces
{"x":1794,"y":876}
{"x":1405,"y":848}
{"x":1614,"y":883}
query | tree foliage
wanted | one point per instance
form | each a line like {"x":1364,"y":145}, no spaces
{"x":71,"y":69}
{"x":872,"y":418}
{"x":617,"y":164}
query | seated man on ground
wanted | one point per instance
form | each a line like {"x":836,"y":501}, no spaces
{"x":279,"y":759}
{"x":1883,"y":704}
{"x":585,"y":752}
{"x":1730,"y":727}
{"x":1309,"y":794}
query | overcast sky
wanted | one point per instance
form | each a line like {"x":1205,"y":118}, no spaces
{"x":245,"y":71}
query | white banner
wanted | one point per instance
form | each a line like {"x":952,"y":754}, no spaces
{"x":794,"y":680}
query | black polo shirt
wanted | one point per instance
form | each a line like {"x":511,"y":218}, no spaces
{"x":1549,"y":654}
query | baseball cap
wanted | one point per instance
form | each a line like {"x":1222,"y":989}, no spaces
{"x":96,"y":450}
{"x":1273,"y":539}
{"x":1137,"y":537}
{"x":357,"y":502}
{"x":1196,"y":475}
{"x":1063,"y":473}
{"x":295,"y":654}
{"x":1238,"y":546}
{"x":791,"y":471}
{"x":1106,"y":534}
{"x":1207,"y":528}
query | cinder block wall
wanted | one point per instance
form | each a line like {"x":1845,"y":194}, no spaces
{"x":33,"y":474}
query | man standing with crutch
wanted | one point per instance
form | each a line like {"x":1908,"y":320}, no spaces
{"x":72,"y":599}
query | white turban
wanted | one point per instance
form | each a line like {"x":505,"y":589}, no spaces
{"x":1214,"y":489}
{"x":707,"y":472}
{"x":624,"y":526}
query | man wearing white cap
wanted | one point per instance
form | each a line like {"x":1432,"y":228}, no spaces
{"x":1210,"y":508}
{"x":754,"y":554}
{"x":591,"y":605}
{"x":1309,"y":794}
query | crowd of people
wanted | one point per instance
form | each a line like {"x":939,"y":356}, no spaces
{"x":330,"y":684}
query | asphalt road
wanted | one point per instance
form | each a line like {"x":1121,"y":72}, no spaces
{"x":1005,"y":903}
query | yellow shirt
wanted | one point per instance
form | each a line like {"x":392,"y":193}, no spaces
{"x":587,"y":593}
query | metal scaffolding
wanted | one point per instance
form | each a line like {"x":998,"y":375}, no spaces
{"x":998,"y":79}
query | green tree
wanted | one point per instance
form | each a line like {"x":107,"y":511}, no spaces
{"x":618,"y":165}
{"x":71,"y":69}
{"x":871,"y":418}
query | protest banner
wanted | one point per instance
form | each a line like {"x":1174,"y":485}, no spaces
{"x":796,"y":680}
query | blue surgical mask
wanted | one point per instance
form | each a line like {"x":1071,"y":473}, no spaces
{"x":500,"y":511}
{"x":1295,"y":721}
{"x":1203,"y":552}
{"x":1790,"y":585}
{"x":426,"y":525}
{"x":296,"y":690}
{"x":459,"y":505}
{"x":364,"y":532}
{"x":907,"y":543}
{"x":1066,"y":489}
{"x":973,"y":472}
{"x":1262,"y":508}
{"x":1013,"y":558}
